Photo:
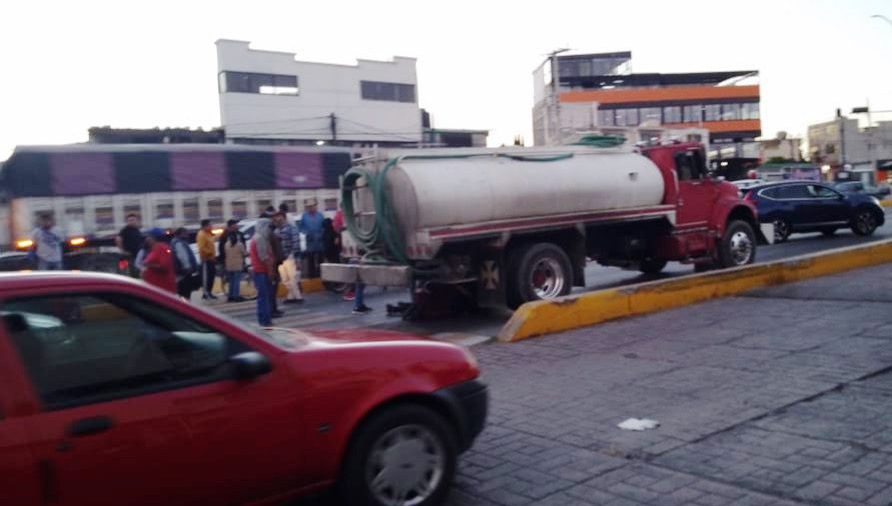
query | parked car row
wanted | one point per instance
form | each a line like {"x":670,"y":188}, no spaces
{"x":806,"y":206}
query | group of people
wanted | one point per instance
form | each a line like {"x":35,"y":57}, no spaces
{"x":275,"y":252}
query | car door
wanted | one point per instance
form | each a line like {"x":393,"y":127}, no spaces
{"x":141,"y":407}
{"x":20,"y":470}
{"x":831,"y":205}
{"x":697,"y":191}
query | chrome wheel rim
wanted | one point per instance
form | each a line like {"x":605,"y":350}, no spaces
{"x":741,"y":248}
{"x":780,"y":230}
{"x":547,"y":278}
{"x":406,"y":465}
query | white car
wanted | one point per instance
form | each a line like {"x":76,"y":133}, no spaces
{"x":743,"y":184}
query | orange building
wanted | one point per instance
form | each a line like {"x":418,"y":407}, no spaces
{"x":594,"y":91}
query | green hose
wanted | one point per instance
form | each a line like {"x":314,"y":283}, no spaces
{"x":601,"y":141}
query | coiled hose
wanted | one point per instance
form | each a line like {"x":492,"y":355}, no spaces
{"x":384,"y":231}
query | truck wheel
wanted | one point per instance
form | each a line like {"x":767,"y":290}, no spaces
{"x":864,"y":223}
{"x":403,"y":455}
{"x":538,"y":272}
{"x":652,"y":265}
{"x":738,"y":245}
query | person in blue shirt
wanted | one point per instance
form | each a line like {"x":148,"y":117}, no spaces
{"x":311,"y":227}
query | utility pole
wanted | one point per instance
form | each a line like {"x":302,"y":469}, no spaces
{"x":333,"y":125}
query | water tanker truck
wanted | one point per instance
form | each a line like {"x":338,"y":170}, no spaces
{"x":514,"y":225}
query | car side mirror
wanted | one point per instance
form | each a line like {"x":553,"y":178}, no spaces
{"x":249,"y":365}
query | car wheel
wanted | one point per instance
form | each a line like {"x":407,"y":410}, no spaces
{"x":829,"y":231}
{"x":539,"y":271}
{"x":782,"y":230}
{"x":652,"y":265}
{"x":402,"y":456}
{"x":864,"y":223}
{"x":738,"y":245}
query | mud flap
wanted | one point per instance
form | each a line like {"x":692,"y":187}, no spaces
{"x":765,"y":234}
{"x":491,"y":279}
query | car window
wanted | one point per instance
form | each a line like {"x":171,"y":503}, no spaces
{"x":822,"y":192}
{"x":80,"y":349}
{"x":793,"y":191}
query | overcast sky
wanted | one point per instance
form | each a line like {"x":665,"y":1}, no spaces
{"x":70,"y":65}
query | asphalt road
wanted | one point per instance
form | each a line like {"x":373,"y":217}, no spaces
{"x":327,"y":310}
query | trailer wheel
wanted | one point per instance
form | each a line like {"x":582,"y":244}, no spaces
{"x":538,"y":271}
{"x":738,"y":246}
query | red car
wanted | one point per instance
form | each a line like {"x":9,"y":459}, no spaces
{"x":112,"y":393}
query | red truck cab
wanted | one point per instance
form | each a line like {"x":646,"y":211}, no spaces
{"x":112,"y":392}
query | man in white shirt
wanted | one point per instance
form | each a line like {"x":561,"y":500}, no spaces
{"x":47,"y":244}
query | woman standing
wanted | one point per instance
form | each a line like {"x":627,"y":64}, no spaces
{"x":158,"y":263}
{"x":234,"y":262}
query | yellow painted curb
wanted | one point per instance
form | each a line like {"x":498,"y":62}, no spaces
{"x":886,"y":203}
{"x":544,"y":317}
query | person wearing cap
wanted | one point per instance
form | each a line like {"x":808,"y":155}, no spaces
{"x":185,"y":264}
{"x":263,"y":265}
{"x":158,"y":262}
{"x":311,"y":227}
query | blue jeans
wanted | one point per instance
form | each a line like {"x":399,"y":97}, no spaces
{"x":264,"y":299}
{"x":234,"y":278}
{"x":359,"y":291}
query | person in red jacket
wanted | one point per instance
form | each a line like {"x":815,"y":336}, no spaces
{"x":158,"y":263}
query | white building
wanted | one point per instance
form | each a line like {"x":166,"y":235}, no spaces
{"x":842,"y":142}
{"x":269,"y":97}
{"x":788,"y":148}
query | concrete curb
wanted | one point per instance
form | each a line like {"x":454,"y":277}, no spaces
{"x":544,"y":317}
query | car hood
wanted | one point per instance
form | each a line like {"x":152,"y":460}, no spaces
{"x":293,"y":339}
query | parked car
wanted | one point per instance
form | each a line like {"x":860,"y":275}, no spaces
{"x":115,"y":393}
{"x":805,"y":206}
{"x":879,"y":192}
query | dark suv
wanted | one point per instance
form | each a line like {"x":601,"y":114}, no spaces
{"x":807,"y":206}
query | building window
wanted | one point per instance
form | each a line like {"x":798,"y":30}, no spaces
{"x":651,"y":115}
{"x":331,"y":204}
{"x":190,"y":211}
{"x":164,"y":211}
{"x":105,"y":218}
{"x":692,"y":113}
{"x":712,"y":112}
{"x":730,"y":112}
{"x":672,"y":114}
{"x":262,"y":204}
{"x":627,"y":117}
{"x":252,"y":82}
{"x":605,"y":117}
{"x":240,"y":210}
{"x":749,"y":111}
{"x":215,"y":210}
{"x":392,"y":92}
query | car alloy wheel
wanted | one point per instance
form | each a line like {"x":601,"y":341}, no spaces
{"x":781,"y":230}
{"x":865,"y":223}
{"x":406,"y":465}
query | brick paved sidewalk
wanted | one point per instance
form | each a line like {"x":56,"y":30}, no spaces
{"x":778,"y":397}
